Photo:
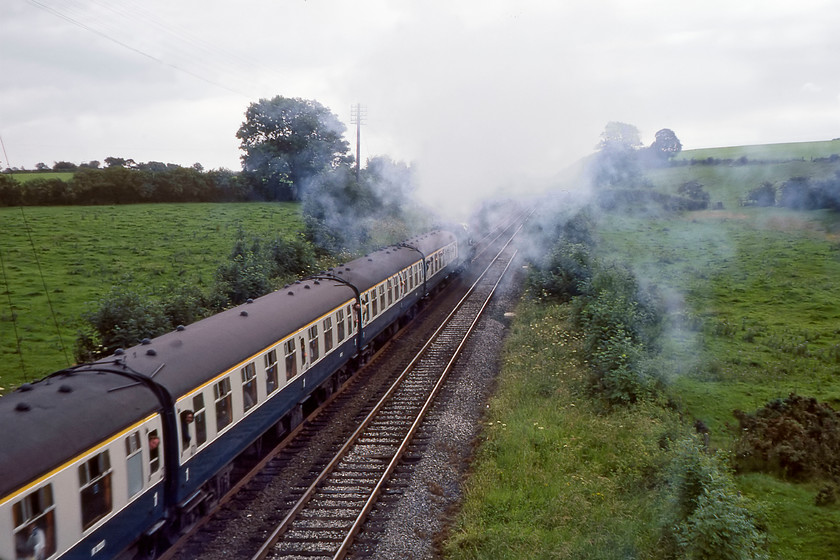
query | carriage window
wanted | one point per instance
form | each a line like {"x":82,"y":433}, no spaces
{"x":95,"y":488}
{"x":270,"y":371}
{"x":328,"y":335}
{"x":154,"y":451}
{"x":134,"y":464}
{"x":365,"y":309}
{"x":390,"y":291}
{"x":221,"y":392}
{"x":200,"y":419}
{"x":291,"y":359}
{"x":382,"y":297}
{"x":313,"y":343}
{"x":34,"y":520}
{"x":352,"y":319}
{"x":249,"y":386}
{"x":339,"y":324}
{"x":374,"y":304}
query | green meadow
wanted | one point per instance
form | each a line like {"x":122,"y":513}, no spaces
{"x":753,"y":314}
{"x":783,"y":151}
{"x":24,"y":177}
{"x":60,"y":261}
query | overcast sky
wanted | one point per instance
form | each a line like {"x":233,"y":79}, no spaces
{"x":473,"y":93}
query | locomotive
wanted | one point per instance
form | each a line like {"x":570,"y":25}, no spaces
{"x":115,"y":458}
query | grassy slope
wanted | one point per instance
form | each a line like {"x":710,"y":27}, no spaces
{"x":755,"y":318}
{"x":791,"y":150}
{"x":555,"y":477}
{"x":753,"y":310}
{"x":83,"y":251}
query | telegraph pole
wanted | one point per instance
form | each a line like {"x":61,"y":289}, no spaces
{"x":357,"y":116}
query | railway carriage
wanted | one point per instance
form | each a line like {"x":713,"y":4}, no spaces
{"x":116,"y":457}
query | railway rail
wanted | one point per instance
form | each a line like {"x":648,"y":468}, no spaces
{"x":243,"y":520}
{"x":331,"y":512}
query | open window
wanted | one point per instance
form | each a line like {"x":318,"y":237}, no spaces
{"x":34,"y":521}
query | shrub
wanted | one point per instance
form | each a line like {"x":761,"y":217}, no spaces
{"x":708,"y":519}
{"x":795,"y":437}
{"x":620,"y":333}
{"x":122,"y":319}
{"x":765,"y":195}
{"x":564,"y":271}
{"x":290,"y":258}
{"x":244,"y":276}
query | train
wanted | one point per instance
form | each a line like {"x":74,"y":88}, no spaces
{"x":116,"y":458}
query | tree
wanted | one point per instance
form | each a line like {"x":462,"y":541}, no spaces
{"x":619,"y":136}
{"x":115,"y":162}
{"x":694,"y":190}
{"x":64,"y":166}
{"x":666,"y":144}
{"x":617,"y":163}
{"x":765,"y":195}
{"x":288,"y":141}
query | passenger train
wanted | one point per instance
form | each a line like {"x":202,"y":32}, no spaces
{"x":115,"y":458}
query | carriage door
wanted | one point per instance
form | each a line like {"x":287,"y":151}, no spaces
{"x":191,"y":426}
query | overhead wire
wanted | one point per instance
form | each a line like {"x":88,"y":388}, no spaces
{"x":110,"y":37}
{"x":44,"y":284}
{"x":13,"y":316}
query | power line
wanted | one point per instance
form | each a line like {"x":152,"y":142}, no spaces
{"x":125,"y":45}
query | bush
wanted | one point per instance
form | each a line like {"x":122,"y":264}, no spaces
{"x":244,"y":276}
{"x":765,"y":195}
{"x":565,"y":269}
{"x":708,"y":519}
{"x":122,"y":319}
{"x":290,"y":258}
{"x":795,"y":437}
{"x":621,"y":326}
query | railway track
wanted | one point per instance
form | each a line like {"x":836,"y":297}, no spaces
{"x":268,"y":494}
{"x":331,"y":511}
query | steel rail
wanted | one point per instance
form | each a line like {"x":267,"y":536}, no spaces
{"x":309,"y":493}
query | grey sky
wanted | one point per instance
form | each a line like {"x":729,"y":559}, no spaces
{"x":475,"y":93}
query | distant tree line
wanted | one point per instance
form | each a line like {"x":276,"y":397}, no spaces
{"x":744,"y":160}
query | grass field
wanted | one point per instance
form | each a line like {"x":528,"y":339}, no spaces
{"x":556,"y":477}
{"x":791,"y":150}
{"x":755,"y":317}
{"x":70,"y":257}
{"x":753,"y":308}
{"x":24,"y":177}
